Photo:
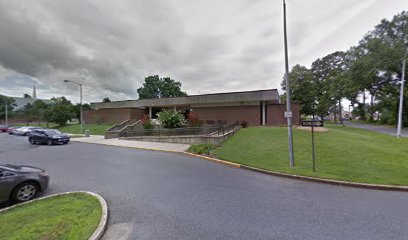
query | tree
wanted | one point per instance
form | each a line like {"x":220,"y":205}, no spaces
{"x":376,"y":66}
{"x":26,"y":95}
{"x":301,"y":87}
{"x":156,"y":87}
{"x":10,"y":106}
{"x":77,"y":110}
{"x":60,"y":111}
{"x":38,"y":110}
{"x":323,"y":100}
{"x":27,"y":112}
{"x":106,"y":100}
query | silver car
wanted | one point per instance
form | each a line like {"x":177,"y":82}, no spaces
{"x":23,"y":131}
{"x":21,"y":183}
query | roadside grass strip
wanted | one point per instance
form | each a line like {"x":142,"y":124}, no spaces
{"x":343,"y":153}
{"x":67,"y":216}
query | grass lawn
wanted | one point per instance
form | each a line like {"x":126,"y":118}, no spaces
{"x":343,"y":153}
{"x":72,"y":216}
{"x":95,"y":129}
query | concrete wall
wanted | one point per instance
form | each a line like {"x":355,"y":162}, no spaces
{"x":112,"y":115}
{"x":276,"y":114}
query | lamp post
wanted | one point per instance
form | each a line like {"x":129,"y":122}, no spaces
{"x":80,"y":103}
{"x":401,"y":103}
{"x":288,"y":113}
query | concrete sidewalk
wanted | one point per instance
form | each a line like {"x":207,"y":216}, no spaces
{"x":173,"y":147}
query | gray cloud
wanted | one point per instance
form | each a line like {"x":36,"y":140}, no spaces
{"x":208,"y":45}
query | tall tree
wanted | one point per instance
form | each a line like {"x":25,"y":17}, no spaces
{"x":302,"y":89}
{"x":377,"y":64}
{"x":156,"y":87}
{"x":106,"y":100}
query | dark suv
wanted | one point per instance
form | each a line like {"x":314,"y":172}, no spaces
{"x":21,"y":183}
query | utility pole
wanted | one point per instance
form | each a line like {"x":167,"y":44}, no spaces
{"x":288,"y":113}
{"x":6,"y":112}
{"x":401,"y":102}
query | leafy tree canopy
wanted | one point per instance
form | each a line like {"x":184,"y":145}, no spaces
{"x":10,"y":106}
{"x":156,"y":87}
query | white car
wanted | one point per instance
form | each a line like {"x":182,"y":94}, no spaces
{"x":23,"y":131}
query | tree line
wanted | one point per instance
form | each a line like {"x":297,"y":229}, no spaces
{"x":60,"y":110}
{"x":372,"y":70}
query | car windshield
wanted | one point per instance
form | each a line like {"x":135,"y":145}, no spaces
{"x":10,"y":167}
{"x":53,"y":131}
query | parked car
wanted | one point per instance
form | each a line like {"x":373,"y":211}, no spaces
{"x":24,"y":131}
{"x":48,"y":136}
{"x":10,"y":130}
{"x":4,"y":128}
{"x":21,"y":183}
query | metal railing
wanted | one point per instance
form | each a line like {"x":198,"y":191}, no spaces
{"x":217,"y":130}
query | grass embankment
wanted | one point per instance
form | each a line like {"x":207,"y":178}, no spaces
{"x":71,"y":216}
{"x":94,"y":129}
{"x":343,"y":153}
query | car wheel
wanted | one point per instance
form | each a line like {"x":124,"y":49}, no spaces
{"x":49,"y":142}
{"x":32,"y":141}
{"x":25,"y":192}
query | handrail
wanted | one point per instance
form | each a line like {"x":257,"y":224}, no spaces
{"x":117,"y":125}
{"x":220,"y":130}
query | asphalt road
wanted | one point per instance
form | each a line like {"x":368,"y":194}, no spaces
{"x":157,"y":195}
{"x":378,"y":128}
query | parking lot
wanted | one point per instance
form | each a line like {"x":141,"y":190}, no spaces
{"x":158,"y":195}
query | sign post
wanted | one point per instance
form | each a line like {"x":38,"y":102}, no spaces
{"x":313,"y":124}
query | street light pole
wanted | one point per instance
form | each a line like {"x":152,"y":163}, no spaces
{"x":401,"y":102}
{"x":288,"y":106}
{"x":80,"y":102}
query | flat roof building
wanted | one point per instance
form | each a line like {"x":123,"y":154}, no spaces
{"x":260,"y":107}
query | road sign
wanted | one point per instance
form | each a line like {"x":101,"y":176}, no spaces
{"x":312,"y":123}
{"x":288,"y":114}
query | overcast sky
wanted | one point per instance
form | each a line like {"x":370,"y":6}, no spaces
{"x":208,"y":45}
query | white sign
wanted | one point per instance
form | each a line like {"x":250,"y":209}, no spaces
{"x":288,"y":114}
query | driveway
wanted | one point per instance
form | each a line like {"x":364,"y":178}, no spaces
{"x":158,"y":195}
{"x":378,"y":128}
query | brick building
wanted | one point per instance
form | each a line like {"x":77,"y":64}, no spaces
{"x":255,"y":107}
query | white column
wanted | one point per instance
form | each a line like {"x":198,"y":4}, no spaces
{"x":263,"y":113}
{"x":175,"y":109}
{"x":150,"y":112}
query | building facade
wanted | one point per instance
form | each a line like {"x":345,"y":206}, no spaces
{"x":257,"y":108}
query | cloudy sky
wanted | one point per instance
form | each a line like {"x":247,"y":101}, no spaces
{"x":208,"y":45}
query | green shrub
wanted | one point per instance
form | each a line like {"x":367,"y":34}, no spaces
{"x":171,"y":119}
{"x":202,"y":149}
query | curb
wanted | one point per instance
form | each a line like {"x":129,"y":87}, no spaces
{"x":236,"y":165}
{"x":99,"y":231}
